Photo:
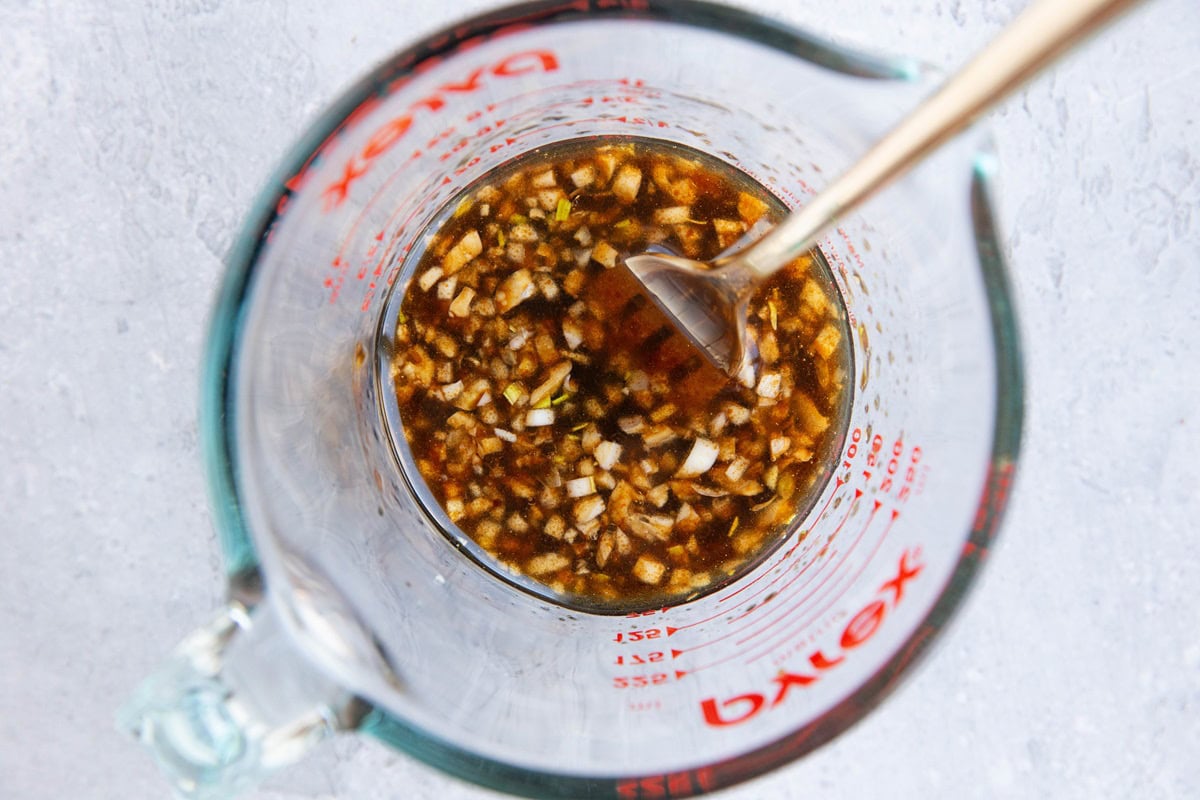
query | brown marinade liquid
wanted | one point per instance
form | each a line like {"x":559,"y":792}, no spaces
{"x":565,"y":426}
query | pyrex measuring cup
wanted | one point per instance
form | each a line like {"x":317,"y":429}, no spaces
{"x":350,"y":610}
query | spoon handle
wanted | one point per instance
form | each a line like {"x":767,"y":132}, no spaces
{"x":1040,"y":34}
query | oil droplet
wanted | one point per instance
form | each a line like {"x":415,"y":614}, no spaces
{"x":861,"y":283}
{"x":862,"y":337}
{"x":865,"y":341}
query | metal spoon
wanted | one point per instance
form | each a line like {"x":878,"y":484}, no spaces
{"x":708,"y":302}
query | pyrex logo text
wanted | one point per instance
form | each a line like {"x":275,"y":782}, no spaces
{"x":861,"y":627}
{"x":392,"y":131}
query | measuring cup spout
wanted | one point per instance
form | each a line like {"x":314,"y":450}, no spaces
{"x":235,"y":701}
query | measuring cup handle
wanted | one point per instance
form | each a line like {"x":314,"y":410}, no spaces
{"x":235,"y":701}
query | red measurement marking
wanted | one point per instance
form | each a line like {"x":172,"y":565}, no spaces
{"x":520,"y":98}
{"x":784,"y":194}
{"x":645,"y":705}
{"x":660,"y":787}
{"x":629,"y":637}
{"x":651,"y":612}
{"x":840,"y":482}
{"x":785,"y":557}
{"x":492,"y":127}
{"x":850,"y":248}
{"x":639,"y":659}
{"x":833,"y":596}
{"x":833,"y":255}
{"x":394,"y":130}
{"x":496,"y":124}
{"x":426,"y":187}
{"x":444,"y":136}
{"x":828,"y":573}
{"x":738,"y":708}
{"x":735,"y":632}
{"x":646,"y":680}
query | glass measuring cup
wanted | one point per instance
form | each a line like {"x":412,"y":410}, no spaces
{"x":349,"y":610}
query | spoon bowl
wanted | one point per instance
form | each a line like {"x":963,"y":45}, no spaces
{"x":708,"y":302}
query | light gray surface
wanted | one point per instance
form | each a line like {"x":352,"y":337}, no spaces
{"x":132,"y":141}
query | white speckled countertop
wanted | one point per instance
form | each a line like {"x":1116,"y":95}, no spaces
{"x":133,"y":137}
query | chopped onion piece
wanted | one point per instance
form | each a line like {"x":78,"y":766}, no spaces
{"x":590,"y":439}
{"x":584,"y":176}
{"x":523,"y":233}
{"x":658,"y":435}
{"x":539,"y":417}
{"x":546,"y":286}
{"x":737,"y":469}
{"x":445,"y":289}
{"x":519,"y":339}
{"x":546,"y":563}
{"x":581,"y":487}
{"x":489,"y":445}
{"x":631,"y":425}
{"x":588,"y":509}
{"x":514,"y":290}
{"x":699,"y":460}
{"x":452,"y":390}
{"x":507,"y":436}
{"x":718,"y":424}
{"x":627,"y":182}
{"x":554,"y":379}
{"x":648,"y":570}
{"x":572,"y":333}
{"x":461,"y":306}
{"x":769,"y":384}
{"x":607,"y":454}
{"x":548,"y":200}
{"x":651,"y":527}
{"x":827,"y":341}
{"x":555,"y":527}
{"x":674,"y":215}
{"x":604,"y":549}
{"x":605,"y":255}
{"x":738,"y":415}
{"x":462,"y":253}
{"x":429,"y":277}
{"x":779,"y":446}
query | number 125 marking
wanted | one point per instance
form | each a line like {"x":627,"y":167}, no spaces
{"x":634,"y":659}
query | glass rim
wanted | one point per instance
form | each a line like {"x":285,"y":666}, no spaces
{"x":218,"y":423}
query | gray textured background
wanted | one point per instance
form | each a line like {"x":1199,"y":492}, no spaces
{"x":132,"y":140}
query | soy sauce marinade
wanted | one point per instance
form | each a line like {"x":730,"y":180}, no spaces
{"x":559,"y":420}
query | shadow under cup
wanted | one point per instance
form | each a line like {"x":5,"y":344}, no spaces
{"x":499,"y":686}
